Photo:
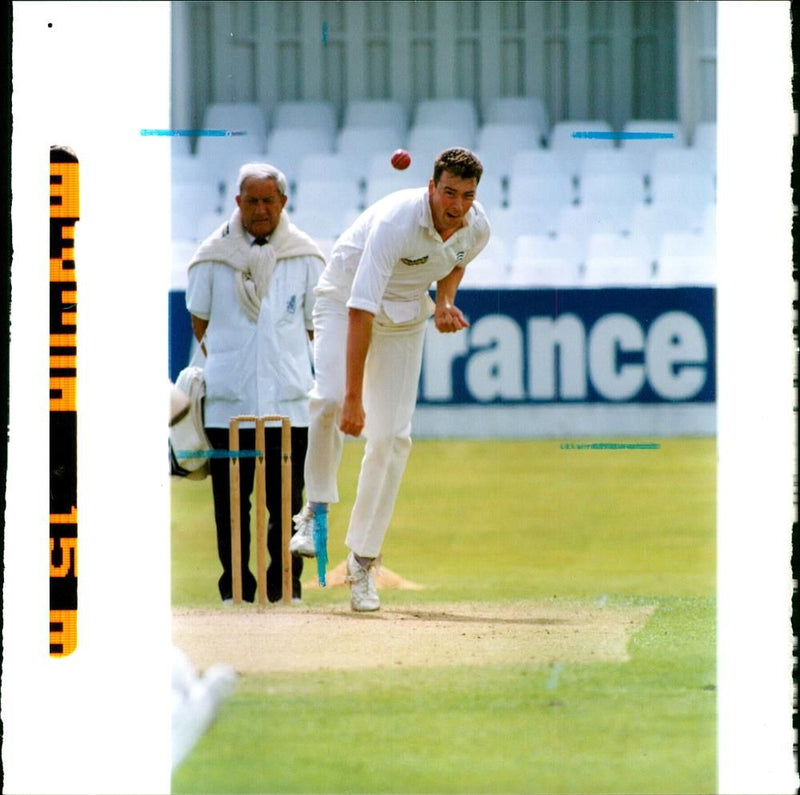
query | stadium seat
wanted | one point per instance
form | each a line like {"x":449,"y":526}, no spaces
{"x":381,"y":113}
{"x":180,"y":145}
{"x":705,"y":135}
{"x":216,"y":152}
{"x":653,"y":219}
{"x":491,"y":193}
{"x":623,"y":188}
{"x":286,"y":148}
{"x":221,"y":157}
{"x":571,"y":150}
{"x":324,"y":165}
{"x":378,"y":187}
{"x":677,"y":271}
{"x":459,"y":115}
{"x":186,"y":168}
{"x":490,"y":267}
{"x":685,"y":244}
{"x":686,"y":258}
{"x":692,"y":189}
{"x":246,"y":117}
{"x":614,"y":161}
{"x":538,"y":219}
{"x":520,"y":110}
{"x":685,"y":271}
{"x":682,"y":160}
{"x":359,"y":144}
{"x":584,"y":220}
{"x":210,"y":221}
{"x":326,"y":194}
{"x":617,"y":260}
{"x":426,"y":142}
{"x":189,"y":202}
{"x":617,"y":271}
{"x":494,"y":165}
{"x":613,"y":244}
{"x":645,"y":148}
{"x":321,"y":223}
{"x":547,"y":246}
{"x":524,"y":189}
{"x":497,"y":143}
{"x":541,"y":162}
{"x":709,"y":223}
{"x":544,"y":260}
{"x":305,"y":114}
{"x":543,"y":271}
{"x":650,"y":221}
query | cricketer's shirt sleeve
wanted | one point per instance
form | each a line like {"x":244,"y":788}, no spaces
{"x":378,"y":260}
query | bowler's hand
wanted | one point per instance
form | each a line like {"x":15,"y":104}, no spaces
{"x":449,"y":318}
{"x":352,"y":420}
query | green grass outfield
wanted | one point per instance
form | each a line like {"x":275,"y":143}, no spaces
{"x":495,"y":522}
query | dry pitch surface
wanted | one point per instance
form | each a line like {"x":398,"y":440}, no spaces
{"x":298,"y":638}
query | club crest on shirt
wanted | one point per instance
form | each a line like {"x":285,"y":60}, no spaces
{"x":412,"y":262}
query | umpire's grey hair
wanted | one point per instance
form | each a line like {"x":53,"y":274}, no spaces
{"x":262,"y":171}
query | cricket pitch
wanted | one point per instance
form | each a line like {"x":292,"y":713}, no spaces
{"x":298,"y":638}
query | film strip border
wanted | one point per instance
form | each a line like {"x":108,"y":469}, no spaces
{"x":64,"y":213}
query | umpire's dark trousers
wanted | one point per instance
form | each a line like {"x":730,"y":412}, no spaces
{"x":220,"y":483}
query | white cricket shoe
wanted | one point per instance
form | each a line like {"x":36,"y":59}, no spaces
{"x":302,"y":542}
{"x":363,"y":594}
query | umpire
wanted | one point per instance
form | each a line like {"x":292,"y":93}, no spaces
{"x":250,"y":296}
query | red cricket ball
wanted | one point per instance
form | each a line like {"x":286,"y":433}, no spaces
{"x":401,"y":159}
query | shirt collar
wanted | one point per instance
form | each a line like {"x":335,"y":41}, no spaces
{"x":251,"y":238}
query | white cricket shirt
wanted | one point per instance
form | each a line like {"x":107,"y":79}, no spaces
{"x":392,"y":253}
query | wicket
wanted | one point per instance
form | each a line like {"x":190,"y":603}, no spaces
{"x":261,"y":508}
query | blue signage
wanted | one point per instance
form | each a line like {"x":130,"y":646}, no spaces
{"x":568,"y":346}
{"x":652,"y":345}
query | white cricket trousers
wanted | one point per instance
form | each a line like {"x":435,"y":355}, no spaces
{"x":391,"y":376}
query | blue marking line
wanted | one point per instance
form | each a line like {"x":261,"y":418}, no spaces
{"x":217,"y":454}
{"x":620,"y":136}
{"x":610,"y":446}
{"x":193,"y":133}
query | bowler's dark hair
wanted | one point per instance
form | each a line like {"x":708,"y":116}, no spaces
{"x":459,"y":162}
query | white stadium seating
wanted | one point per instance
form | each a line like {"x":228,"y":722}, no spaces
{"x":306,"y":114}
{"x":459,"y":115}
{"x":564,"y":210}
{"x":383,"y":113}
{"x":520,"y":110}
{"x":358,"y":145}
